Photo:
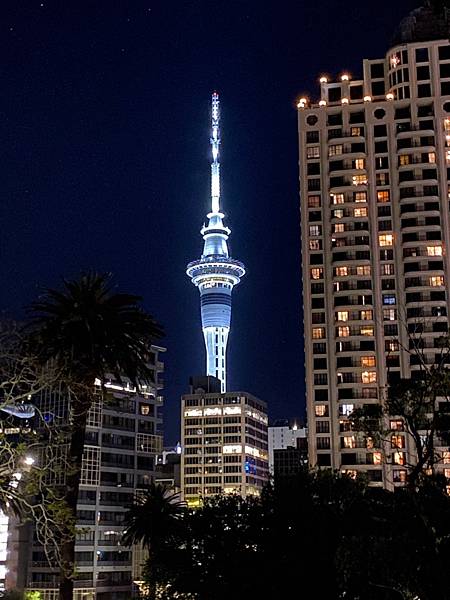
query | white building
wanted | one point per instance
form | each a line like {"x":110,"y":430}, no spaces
{"x":283,"y":435}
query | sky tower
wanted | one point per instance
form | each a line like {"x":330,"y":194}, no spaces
{"x":215,"y":273}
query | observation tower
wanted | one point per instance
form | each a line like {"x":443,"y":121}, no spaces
{"x":215,"y":273}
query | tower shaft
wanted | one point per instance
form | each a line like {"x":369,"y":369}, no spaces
{"x":215,"y":274}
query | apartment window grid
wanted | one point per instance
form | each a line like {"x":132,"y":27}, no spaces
{"x":148,"y":443}
{"x":94,"y":416}
{"x":90,"y":469}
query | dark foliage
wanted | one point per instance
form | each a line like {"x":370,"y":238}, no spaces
{"x":351,"y":541}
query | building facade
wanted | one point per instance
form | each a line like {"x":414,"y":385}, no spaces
{"x":224,"y":441}
{"x":284,"y":434}
{"x":123,"y":440}
{"x":375,"y":225}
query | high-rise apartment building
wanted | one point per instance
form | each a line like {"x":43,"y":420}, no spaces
{"x":224,"y":441}
{"x":123,"y":440}
{"x":374,"y":180}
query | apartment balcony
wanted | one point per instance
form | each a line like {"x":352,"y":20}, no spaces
{"x":346,"y":135}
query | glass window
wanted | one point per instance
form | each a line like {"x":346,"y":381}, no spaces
{"x":360,"y":197}
{"x":313,"y":152}
{"x":313,"y":201}
{"x":366,"y":315}
{"x":335,"y":150}
{"x":368,"y":361}
{"x":315,"y":244}
{"x":385,"y":239}
{"x":343,"y":331}
{"x":434,"y":250}
{"x":316,"y":273}
{"x":341,"y":271}
{"x":318,"y":333}
{"x":338,"y":227}
{"x":360,"y":212}
{"x":359,"y":163}
{"x":321,"y":410}
{"x":363,"y":270}
{"x":366,"y":331}
{"x":359,"y":179}
{"x":383,"y":196}
{"x":387,"y":269}
{"x":436,"y":280}
{"x":389,"y":314}
{"x":342,"y":315}
{"x":369,"y":376}
{"x":337,"y":198}
{"x":389,"y":299}
{"x":315,"y":230}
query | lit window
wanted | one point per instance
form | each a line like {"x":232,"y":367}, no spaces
{"x":317,"y":333}
{"x":436,"y":280}
{"x":314,"y":245}
{"x":447,"y":473}
{"x":434,"y":250}
{"x":383,"y":196}
{"x":338,"y":228}
{"x":335,"y":150}
{"x":389,"y":314}
{"x":313,"y":201}
{"x":397,"y":441}
{"x":355,"y":131}
{"x":315,"y":230}
{"x":337,"y":214}
{"x":369,"y":377}
{"x":365,"y":315}
{"x":396,"y":425}
{"x":399,"y":476}
{"x":392,"y":345}
{"x":385,"y":239}
{"x":368,"y":361}
{"x":389,"y":299}
{"x":337,"y":198}
{"x":343,"y":331}
{"x":447,"y":156}
{"x":366,"y":330}
{"x":363,"y":270}
{"x":341,"y":271}
{"x":360,"y":197}
{"x":369,"y":443}
{"x":346,"y":409}
{"x":399,"y":458}
{"x":447,"y":125}
{"x":144,"y":409}
{"x":446,"y":457}
{"x":317,"y":273}
{"x":431,"y":157}
{"x":387,"y":269}
{"x":349,"y":441}
{"x":359,"y":179}
{"x":321,"y":410}
{"x":313,"y":152}
{"x":342,"y":315}
{"x":359,"y":163}
{"x":377,"y":458}
{"x":404,"y":159}
{"x":360,"y":212}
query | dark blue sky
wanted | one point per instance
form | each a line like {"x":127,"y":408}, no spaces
{"x":104,"y":114}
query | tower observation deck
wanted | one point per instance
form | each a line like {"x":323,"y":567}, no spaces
{"x":215,"y":273}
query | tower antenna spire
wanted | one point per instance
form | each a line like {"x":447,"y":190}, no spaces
{"x":215,"y":143}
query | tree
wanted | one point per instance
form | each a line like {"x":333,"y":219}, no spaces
{"x":88,"y":332}
{"x":423,"y":405}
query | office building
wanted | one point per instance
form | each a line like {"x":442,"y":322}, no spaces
{"x":283,"y":434}
{"x":215,"y":273}
{"x":374,"y":181}
{"x":123,"y":439}
{"x":224,"y":441}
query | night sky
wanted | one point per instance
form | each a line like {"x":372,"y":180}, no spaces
{"x":104,"y":141}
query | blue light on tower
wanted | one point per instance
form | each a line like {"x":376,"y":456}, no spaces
{"x":216,"y":273}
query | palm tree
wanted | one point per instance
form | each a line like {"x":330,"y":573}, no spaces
{"x":154,"y":517}
{"x":156,"y":521}
{"x":89,"y":331}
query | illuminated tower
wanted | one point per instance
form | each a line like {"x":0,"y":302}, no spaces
{"x":215,"y":274}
